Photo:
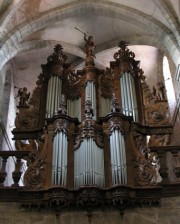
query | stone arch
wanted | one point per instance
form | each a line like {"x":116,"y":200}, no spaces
{"x":158,"y":30}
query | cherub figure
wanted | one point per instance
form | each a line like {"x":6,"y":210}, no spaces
{"x":89,"y":46}
{"x":24,"y":96}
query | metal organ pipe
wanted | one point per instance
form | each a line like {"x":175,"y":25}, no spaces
{"x":118,"y":158}
{"x":89,"y":164}
{"x":53,"y":95}
{"x":59,"y":161}
{"x":74,"y":108}
{"x":106,"y":106}
{"x":128,"y":95}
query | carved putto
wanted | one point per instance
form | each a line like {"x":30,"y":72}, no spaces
{"x":114,"y":104}
{"x":62,"y":107}
{"x":89,"y":112}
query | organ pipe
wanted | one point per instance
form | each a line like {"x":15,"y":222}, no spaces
{"x":118,"y":158}
{"x":106,"y":106}
{"x":128,"y":95}
{"x":53,"y":95}
{"x":74,"y":108}
{"x":59,"y":161}
{"x":89,"y":164}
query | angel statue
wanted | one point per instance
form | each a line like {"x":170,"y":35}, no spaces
{"x":23,"y":95}
{"x":159,"y":91}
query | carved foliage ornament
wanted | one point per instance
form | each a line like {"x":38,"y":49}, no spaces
{"x":72,"y":85}
{"x":106,"y":83}
{"x":123,"y":53}
{"x":58,"y":56}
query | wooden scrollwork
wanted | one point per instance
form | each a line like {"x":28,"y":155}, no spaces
{"x":34,"y":176}
{"x":146,"y":163}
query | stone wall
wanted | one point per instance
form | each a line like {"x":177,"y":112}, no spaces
{"x":168,"y":213}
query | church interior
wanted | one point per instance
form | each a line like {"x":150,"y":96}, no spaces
{"x":89,"y":111}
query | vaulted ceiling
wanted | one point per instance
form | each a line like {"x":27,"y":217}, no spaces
{"x":29,"y":29}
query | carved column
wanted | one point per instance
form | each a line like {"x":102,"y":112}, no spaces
{"x":16,"y":175}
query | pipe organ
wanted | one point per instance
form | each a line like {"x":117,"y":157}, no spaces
{"x":83,"y":124}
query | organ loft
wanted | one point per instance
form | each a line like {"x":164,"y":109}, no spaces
{"x":91,"y":138}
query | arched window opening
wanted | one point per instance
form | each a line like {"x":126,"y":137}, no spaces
{"x":170,"y":93}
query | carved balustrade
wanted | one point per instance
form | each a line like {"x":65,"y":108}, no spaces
{"x":16,"y":174}
{"x":169,"y":162}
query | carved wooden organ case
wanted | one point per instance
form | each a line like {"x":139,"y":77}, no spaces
{"x":85,"y":131}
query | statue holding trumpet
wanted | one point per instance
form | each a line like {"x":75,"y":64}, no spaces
{"x":89,"y":45}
